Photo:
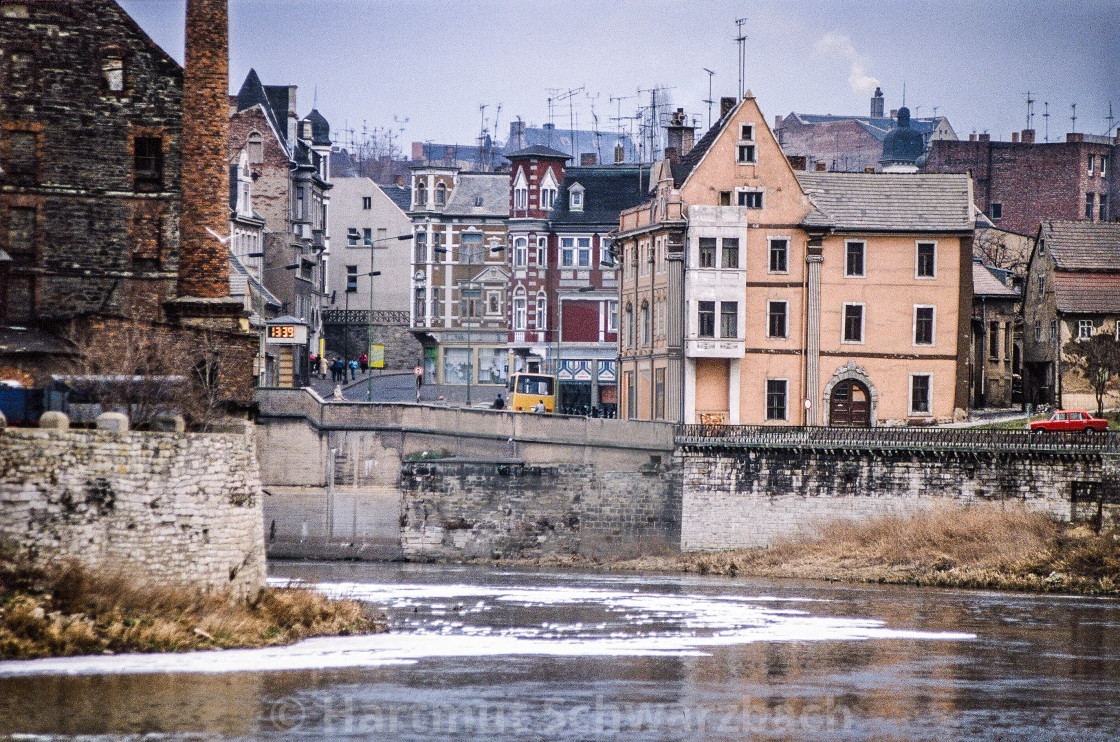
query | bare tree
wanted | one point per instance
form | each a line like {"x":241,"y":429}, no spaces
{"x":1098,"y":360}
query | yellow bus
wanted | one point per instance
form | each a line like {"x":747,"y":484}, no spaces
{"x":528,"y":391}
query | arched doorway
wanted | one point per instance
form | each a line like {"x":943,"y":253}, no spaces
{"x":849,"y":405}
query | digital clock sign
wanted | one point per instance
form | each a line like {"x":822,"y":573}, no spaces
{"x":286,"y":334}
{"x":282,"y":332}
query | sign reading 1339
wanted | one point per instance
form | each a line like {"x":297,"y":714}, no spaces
{"x":287,"y":334}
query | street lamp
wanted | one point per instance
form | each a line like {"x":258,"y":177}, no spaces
{"x":369,"y":319}
{"x":260,"y":310}
{"x":470,"y":348}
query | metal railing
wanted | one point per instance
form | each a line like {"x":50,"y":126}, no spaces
{"x":897,"y":439}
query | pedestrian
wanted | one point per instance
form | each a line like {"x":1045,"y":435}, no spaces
{"x":499,"y":403}
{"x":363,"y":361}
{"x":337,"y":370}
{"x":353,"y":369}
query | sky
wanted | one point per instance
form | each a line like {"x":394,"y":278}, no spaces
{"x":423,"y":68}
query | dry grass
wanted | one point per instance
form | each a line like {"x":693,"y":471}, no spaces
{"x":70,"y":611}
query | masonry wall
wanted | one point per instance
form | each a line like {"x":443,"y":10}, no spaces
{"x":459,"y":509}
{"x":177,"y":509}
{"x":740,"y":498}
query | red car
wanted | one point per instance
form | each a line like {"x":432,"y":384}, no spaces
{"x":1075,"y":420}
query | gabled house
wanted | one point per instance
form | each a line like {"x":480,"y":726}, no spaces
{"x":460,"y":282}
{"x":997,"y":337}
{"x":753,"y":293}
{"x":1072,"y":292}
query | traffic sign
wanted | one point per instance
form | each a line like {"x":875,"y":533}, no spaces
{"x":419,"y":370}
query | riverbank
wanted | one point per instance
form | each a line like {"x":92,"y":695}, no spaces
{"x":988,"y":547}
{"x":69,"y":611}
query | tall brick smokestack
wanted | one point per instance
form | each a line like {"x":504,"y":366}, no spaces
{"x":203,"y":259}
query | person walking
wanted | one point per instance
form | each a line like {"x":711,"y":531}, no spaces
{"x":363,"y":361}
{"x":353,"y":369}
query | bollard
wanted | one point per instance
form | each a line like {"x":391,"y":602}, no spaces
{"x":53,"y":420}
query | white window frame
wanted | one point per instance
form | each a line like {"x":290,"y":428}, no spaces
{"x":583,"y":250}
{"x":933,"y":327}
{"x":496,"y":296}
{"x":367,"y":203}
{"x":761,"y":197}
{"x":862,"y":322}
{"x":769,"y":248}
{"x":542,"y":251}
{"x":1104,"y":165}
{"x":916,"y":245}
{"x":766,"y":400}
{"x":1085,"y":329}
{"x":520,"y":252}
{"x":568,"y":252}
{"x":575,"y":198}
{"x":863,"y":261}
{"x":520,"y":309}
{"x":1092,"y":162}
{"x":910,"y":395}
{"x":540,"y":311}
{"x":612,"y":316}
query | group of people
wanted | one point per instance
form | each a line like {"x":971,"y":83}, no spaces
{"x":339,"y":367}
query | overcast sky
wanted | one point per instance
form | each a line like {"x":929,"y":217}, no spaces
{"x":427,"y":65}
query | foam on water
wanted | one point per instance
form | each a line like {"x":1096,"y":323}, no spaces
{"x":635,"y":623}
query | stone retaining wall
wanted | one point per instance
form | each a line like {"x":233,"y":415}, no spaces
{"x":176,"y":509}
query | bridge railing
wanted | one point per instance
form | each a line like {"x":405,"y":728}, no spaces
{"x":896,"y":439}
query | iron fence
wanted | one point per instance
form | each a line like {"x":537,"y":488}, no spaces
{"x":897,"y":439}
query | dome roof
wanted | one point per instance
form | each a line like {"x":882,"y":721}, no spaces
{"x":320,"y":129}
{"x":902,"y":145}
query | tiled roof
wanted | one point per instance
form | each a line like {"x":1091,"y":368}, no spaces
{"x":682,"y":169}
{"x":401,"y":196}
{"x":1083,"y":246}
{"x":1088,"y":293}
{"x":607,"y":192}
{"x":253,"y":93}
{"x":986,"y":283}
{"x":538,"y":150}
{"x":492,"y":189}
{"x":898,"y":202}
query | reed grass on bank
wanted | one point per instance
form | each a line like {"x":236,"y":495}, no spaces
{"x":997,"y":546}
{"x":69,"y":611}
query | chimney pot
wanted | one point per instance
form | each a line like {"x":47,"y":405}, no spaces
{"x":972,"y":137}
{"x":1014,"y":137}
{"x":1075,"y":136}
{"x":820,"y":166}
{"x":1028,"y":136}
{"x":894,"y":113}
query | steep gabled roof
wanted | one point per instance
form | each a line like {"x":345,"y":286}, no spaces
{"x":986,"y":283}
{"x":1083,"y":246}
{"x":893,"y":202}
{"x":607,"y":192}
{"x":400,"y":195}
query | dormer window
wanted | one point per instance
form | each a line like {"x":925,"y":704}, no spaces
{"x":548,"y":190}
{"x":575,"y":198}
{"x":441,"y":194}
{"x":520,"y":192}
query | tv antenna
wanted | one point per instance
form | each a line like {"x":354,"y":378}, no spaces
{"x":1073,"y":117}
{"x":1110,"y":119}
{"x":741,"y":40}
{"x":1046,"y":120}
{"x":560,"y":95}
{"x":709,"y":100}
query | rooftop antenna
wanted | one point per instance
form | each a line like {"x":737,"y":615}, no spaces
{"x":741,"y":40}
{"x":709,"y":100}
{"x":568,"y":95}
{"x":595,"y":129}
{"x":1030,"y":111}
{"x":1073,"y":117}
{"x":1046,"y":119}
{"x":315,"y":98}
{"x":1110,"y":119}
{"x":481,"y":135}
{"x":497,"y":115}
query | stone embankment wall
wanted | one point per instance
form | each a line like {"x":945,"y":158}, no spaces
{"x":464,"y":509}
{"x":742,"y":498}
{"x":178,"y":509}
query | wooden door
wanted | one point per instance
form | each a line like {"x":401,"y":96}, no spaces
{"x":849,"y":405}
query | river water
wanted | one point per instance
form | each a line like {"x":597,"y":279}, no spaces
{"x":494,"y":654}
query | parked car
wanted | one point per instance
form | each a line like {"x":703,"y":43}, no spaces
{"x":1075,"y":420}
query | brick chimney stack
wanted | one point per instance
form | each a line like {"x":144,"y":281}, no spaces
{"x":725,"y":105}
{"x":203,"y":259}
{"x":680,"y":135}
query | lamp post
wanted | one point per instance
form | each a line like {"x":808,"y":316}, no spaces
{"x":369,"y":319}
{"x":470,"y":287}
{"x":260,"y":311}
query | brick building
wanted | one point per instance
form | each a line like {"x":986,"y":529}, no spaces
{"x":94,"y":187}
{"x":1021,"y":183}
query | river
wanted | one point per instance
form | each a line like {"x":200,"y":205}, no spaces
{"x":493,"y":654}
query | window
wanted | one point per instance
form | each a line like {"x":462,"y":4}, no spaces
{"x":730,"y":255}
{"x":1053,"y":329}
{"x":541,"y":314}
{"x":1104,"y":207}
{"x":567,"y":251}
{"x":520,"y":251}
{"x":1037,"y":331}
{"x":470,"y":247}
{"x":725,"y":198}
{"x":367,"y":202}
{"x":927,"y":262}
{"x":750,"y":199}
{"x":352,"y":237}
{"x":23,"y":153}
{"x":494,"y":304}
{"x":779,"y":256}
{"x":706,"y":319}
{"x":441,"y":194}
{"x":1104,"y":165}
{"x":421,"y":193}
{"x":1089,"y":206}
{"x":575,"y":198}
{"x":300,"y":208}
{"x":707,"y":252}
{"x":746,"y":154}
{"x":612,"y":315}
{"x":421,"y":247}
{"x":631,"y":396}
{"x":21,"y":235}
{"x":256,"y":148}
{"x":542,"y":251}
{"x":520,"y":310}
{"x":148,"y":163}
{"x":351,"y":279}
{"x":776,"y":312}
{"x":919,"y":394}
{"x":776,"y":393}
{"x":1041,"y":286}
{"x":367,"y":236}
{"x":995,"y":210}
{"x":923,"y":325}
{"x":993,"y":341}
{"x":584,"y":254}
{"x":729,"y":319}
{"x":520,"y":198}
{"x":112,"y":73}
{"x":853,"y":323}
{"x":1092,"y":162}
{"x":628,"y":329}
{"x":418,"y":308}
{"x":548,"y":197}
{"x":853,"y":259}
{"x":1084,"y":329}
{"x":659,"y":394}
{"x":645,"y":323}
{"x":746,"y":132}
